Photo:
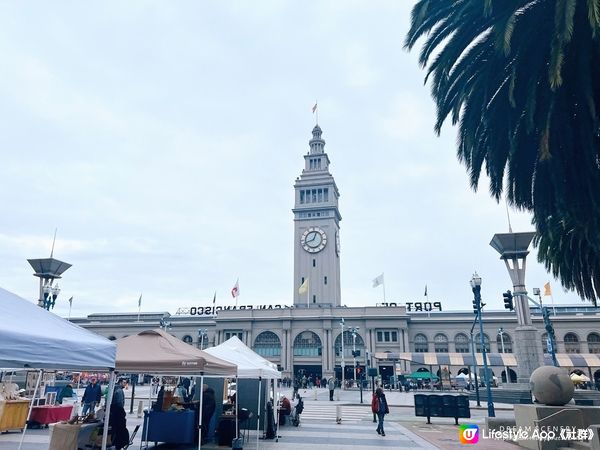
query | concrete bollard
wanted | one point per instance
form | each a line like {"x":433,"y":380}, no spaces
{"x":338,"y":414}
{"x":140,"y":410}
{"x":315,"y":393}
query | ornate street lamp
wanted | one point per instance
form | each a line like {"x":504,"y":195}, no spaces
{"x":202,"y":333}
{"x":513,"y":249}
{"x":48,"y":270}
{"x":476,"y":287}
{"x":50,"y":293}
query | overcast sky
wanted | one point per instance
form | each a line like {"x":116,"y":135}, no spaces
{"x":163,"y":139}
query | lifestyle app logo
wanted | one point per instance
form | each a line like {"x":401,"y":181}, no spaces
{"x":469,"y":434}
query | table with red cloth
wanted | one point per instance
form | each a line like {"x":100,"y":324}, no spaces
{"x":50,"y":414}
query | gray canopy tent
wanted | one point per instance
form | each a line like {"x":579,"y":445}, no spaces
{"x":33,"y":338}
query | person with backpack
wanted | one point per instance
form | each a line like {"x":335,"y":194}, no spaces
{"x":380,"y":407}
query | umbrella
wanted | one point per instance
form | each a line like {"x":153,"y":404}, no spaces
{"x":579,"y":378}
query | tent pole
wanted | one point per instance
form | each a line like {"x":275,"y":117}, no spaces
{"x":37,"y":385}
{"x":277,"y":410}
{"x":258,"y":411}
{"x":109,"y":395}
{"x":237,"y":427}
{"x":200,"y":409}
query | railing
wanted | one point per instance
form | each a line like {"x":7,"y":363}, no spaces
{"x":543,"y":420}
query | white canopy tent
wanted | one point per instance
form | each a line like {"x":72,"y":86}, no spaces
{"x":250,"y":365}
{"x":33,"y":338}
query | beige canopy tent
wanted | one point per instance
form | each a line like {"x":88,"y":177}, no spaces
{"x":158,"y":352}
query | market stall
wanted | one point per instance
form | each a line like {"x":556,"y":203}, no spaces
{"x":159,"y":353}
{"x":250,"y":366}
{"x":34,"y":338}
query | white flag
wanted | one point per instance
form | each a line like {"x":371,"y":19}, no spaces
{"x":303,"y":289}
{"x":377,"y":281}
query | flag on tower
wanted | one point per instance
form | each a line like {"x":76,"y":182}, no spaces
{"x":314,"y":108}
{"x":378,"y":280}
{"x":235,"y":291}
{"x":303,"y":289}
{"x":140,"y":301}
{"x":547,"y":289}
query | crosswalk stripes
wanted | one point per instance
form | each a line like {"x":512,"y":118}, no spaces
{"x":325,"y":411}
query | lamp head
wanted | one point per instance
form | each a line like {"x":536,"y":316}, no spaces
{"x":475,"y":280}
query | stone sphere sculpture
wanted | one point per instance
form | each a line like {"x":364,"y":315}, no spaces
{"x":551,"y":386}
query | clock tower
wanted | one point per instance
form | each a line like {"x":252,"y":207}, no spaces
{"x":316,"y":230}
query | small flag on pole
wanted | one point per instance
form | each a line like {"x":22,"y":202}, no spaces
{"x":547,"y":289}
{"x":378,"y":280}
{"x":71,"y":301}
{"x":314,"y":108}
{"x":215,"y":298}
{"x":235,"y":291}
{"x":303,"y":289}
{"x":140,"y":301}
{"x":425,"y":294}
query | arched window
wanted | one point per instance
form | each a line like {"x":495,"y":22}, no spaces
{"x":593,"y":341}
{"x":440,"y":343}
{"x":349,"y":344}
{"x":461,"y":343}
{"x":307,"y":343}
{"x":267,"y":344}
{"x":545,"y":342}
{"x":571,"y":343}
{"x":421,"y":344}
{"x":187,"y":339}
{"x":504,"y":339}
{"x":486,"y":340}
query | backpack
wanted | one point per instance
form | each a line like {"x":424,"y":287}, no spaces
{"x":375,"y":404}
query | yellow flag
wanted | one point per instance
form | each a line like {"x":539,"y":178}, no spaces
{"x":303,"y":287}
{"x":547,"y":290}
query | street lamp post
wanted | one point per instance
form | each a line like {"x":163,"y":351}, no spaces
{"x":354,"y":330}
{"x":202,"y":333}
{"x":343,"y":362}
{"x":501,"y":333}
{"x":475,"y":363}
{"x":164,"y":323}
{"x":476,"y":287}
{"x":528,"y":348}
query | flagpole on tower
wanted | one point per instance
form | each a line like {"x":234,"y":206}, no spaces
{"x":139,"y":307}
{"x":315,"y":111}
{"x":383,"y":284}
{"x":70,"y":305}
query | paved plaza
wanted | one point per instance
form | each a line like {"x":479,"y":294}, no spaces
{"x":319,"y":429}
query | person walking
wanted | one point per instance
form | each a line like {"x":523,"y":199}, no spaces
{"x":91,"y":397}
{"x":331,"y":385}
{"x":380,"y":407}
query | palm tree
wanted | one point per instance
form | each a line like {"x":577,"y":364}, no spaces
{"x":521,"y":78}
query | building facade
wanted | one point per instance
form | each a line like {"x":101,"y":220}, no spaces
{"x":316,"y":335}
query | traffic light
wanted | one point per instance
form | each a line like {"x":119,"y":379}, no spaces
{"x":508,"y":300}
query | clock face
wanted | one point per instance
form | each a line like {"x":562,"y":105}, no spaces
{"x":313,"y":240}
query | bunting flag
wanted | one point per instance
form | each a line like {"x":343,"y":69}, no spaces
{"x":140,"y":301}
{"x":378,"y":280}
{"x":303,"y":289}
{"x":235,"y":291}
{"x":314,"y":108}
{"x":547,"y":289}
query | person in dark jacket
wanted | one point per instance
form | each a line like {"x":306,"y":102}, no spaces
{"x":209,"y":404}
{"x":91,"y":397}
{"x":382,"y":410}
{"x":66,"y":392}
{"x":118,"y":417}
